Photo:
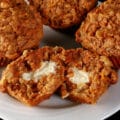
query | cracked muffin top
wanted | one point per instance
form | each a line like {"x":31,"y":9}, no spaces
{"x":20,"y":28}
{"x":63,"y":13}
{"x":100,"y":32}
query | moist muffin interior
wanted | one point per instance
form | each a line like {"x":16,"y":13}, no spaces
{"x":88,"y":76}
{"x":34,"y":76}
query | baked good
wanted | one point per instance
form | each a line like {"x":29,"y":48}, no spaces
{"x":88,"y":76}
{"x":100,"y":32}
{"x":20,"y":29}
{"x":35,"y":76}
{"x":61,"y":14}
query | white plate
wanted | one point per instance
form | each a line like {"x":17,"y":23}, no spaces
{"x":55,"y":108}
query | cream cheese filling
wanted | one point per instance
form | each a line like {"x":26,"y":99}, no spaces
{"x":80,"y":77}
{"x":47,"y":67}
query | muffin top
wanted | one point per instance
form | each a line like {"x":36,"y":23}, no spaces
{"x":100,"y":32}
{"x":63,"y":13}
{"x":20,"y":28}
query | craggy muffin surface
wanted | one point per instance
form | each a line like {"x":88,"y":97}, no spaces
{"x":34,"y":76}
{"x":63,"y":13}
{"x":20,"y":28}
{"x":100,"y":32}
{"x":88,"y":76}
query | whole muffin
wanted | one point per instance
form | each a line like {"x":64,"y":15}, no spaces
{"x":100,"y":32}
{"x":88,"y":76}
{"x":35,"y":76}
{"x":20,"y":28}
{"x":63,"y":13}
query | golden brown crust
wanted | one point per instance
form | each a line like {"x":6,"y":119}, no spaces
{"x":100,"y":32}
{"x":101,"y":76}
{"x":63,"y":13}
{"x":28,"y":91}
{"x":20,"y":28}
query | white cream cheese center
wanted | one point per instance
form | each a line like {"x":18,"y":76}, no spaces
{"x":79,"y":77}
{"x":46,"y":68}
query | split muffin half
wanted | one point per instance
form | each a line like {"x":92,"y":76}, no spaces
{"x":88,"y":76}
{"x":34,"y":76}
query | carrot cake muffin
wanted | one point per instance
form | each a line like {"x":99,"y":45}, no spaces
{"x":61,"y":14}
{"x":20,"y":28}
{"x":88,"y":76}
{"x":34,"y":76}
{"x":100,"y":32}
